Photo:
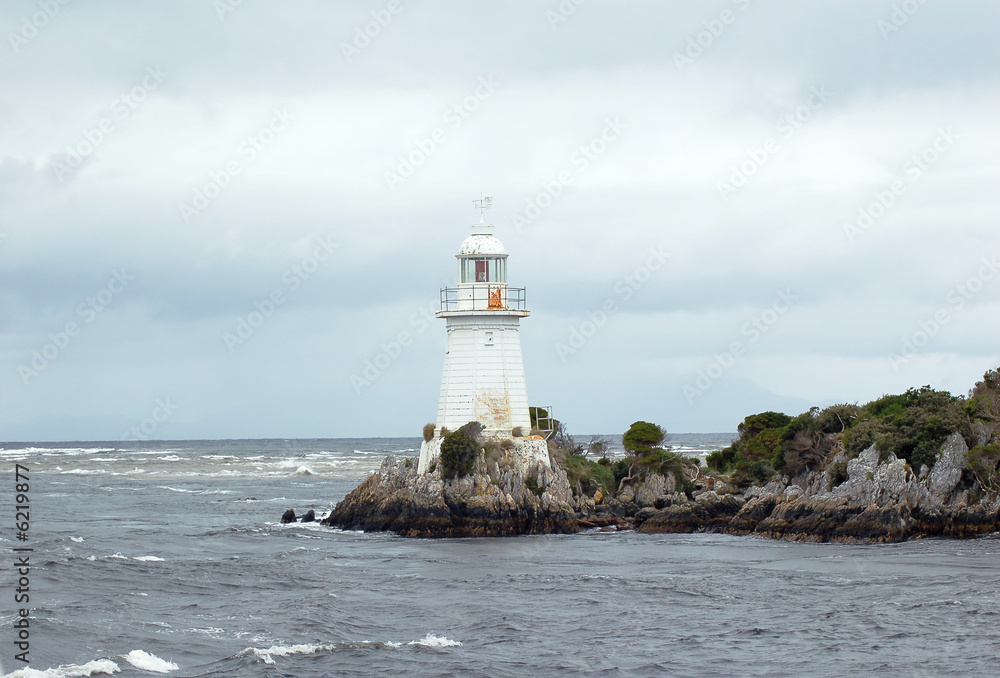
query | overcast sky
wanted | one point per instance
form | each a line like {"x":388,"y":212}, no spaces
{"x":217,"y":219}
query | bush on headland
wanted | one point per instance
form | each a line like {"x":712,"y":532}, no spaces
{"x":912,"y":426}
{"x":459,"y":450}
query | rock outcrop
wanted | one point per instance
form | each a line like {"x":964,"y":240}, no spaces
{"x":881,"y":500}
{"x":876,"y":500}
{"x":496,"y":500}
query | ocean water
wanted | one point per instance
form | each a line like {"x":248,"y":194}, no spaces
{"x":167,"y":558}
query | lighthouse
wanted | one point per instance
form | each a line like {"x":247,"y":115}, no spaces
{"x":483,"y":375}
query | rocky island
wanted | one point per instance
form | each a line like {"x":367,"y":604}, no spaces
{"x":919,"y":464}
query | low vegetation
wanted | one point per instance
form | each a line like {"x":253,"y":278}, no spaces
{"x":912,"y":425}
{"x":459,"y":450}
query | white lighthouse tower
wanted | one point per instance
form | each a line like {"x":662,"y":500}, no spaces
{"x":483,"y":377}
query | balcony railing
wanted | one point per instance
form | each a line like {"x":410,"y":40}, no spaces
{"x":483,"y":297}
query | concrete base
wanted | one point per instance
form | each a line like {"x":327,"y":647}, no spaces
{"x":526,"y":450}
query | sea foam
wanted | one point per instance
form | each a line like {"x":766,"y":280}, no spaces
{"x":97,"y":666}
{"x":149,"y":662}
{"x":430,"y":640}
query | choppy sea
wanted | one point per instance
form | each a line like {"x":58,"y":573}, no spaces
{"x":167,"y":558}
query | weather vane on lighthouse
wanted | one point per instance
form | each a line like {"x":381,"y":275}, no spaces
{"x":482,"y":205}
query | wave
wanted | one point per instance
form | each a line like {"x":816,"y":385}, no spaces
{"x":149,"y":559}
{"x":267,"y":655}
{"x":140,"y":659}
{"x":149,"y":662}
{"x":72,"y":451}
{"x":430,"y":640}
{"x":97,"y":666}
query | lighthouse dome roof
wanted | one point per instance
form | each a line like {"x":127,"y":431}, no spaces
{"x":481,"y":243}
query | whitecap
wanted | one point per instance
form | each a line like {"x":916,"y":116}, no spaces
{"x":267,"y":656}
{"x":430,"y":640}
{"x":149,"y":559}
{"x":302,"y":471}
{"x":118,"y":556}
{"x":105,"y":666}
{"x":149,"y":662}
{"x":78,"y":540}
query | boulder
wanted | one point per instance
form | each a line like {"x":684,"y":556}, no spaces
{"x":492,"y":501}
{"x":309,"y":517}
{"x":288,"y":516}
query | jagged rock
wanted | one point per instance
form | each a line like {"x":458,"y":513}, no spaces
{"x":653,"y":487}
{"x":880,"y":501}
{"x":709,"y":511}
{"x":653,"y":490}
{"x":288,"y":516}
{"x":506,"y":503}
{"x":947,"y":471}
{"x":309,"y":517}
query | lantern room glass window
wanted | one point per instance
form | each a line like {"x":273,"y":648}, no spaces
{"x":484,"y":269}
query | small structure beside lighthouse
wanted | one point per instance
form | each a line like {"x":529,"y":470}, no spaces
{"x":483,"y":376}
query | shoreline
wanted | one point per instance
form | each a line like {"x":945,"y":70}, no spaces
{"x":879,"y":501}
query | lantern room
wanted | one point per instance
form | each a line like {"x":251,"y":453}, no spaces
{"x":482,"y":276}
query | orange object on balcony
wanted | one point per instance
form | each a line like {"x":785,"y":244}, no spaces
{"x":496,"y":303}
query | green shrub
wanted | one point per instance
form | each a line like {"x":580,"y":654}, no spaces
{"x":642,"y":437}
{"x":837,"y":418}
{"x":587,"y":476}
{"x":836,"y":475}
{"x":913,"y":425}
{"x":984,"y":463}
{"x":722,"y":460}
{"x":621,"y":469}
{"x":459,"y":449}
{"x":761,"y":470}
{"x":756,"y":423}
{"x":664,"y":463}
